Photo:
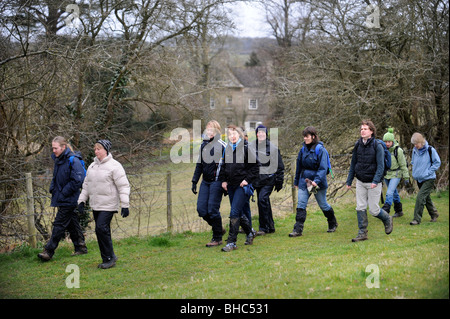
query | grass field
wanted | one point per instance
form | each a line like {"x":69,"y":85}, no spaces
{"x":412,"y":262}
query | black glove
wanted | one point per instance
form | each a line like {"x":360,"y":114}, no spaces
{"x":278,"y":187}
{"x":80,"y":208}
{"x":125,"y":212}
{"x":194,"y":188}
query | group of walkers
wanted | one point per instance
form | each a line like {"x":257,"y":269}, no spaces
{"x":237,"y":169}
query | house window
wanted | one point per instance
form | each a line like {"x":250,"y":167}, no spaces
{"x":253,"y":104}
{"x":229,"y":100}
{"x":229,"y":120}
{"x":212,"y":103}
{"x":252,"y":125}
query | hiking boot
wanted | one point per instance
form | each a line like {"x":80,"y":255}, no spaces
{"x":360,"y":237}
{"x":260,"y":233}
{"x":108,"y":264}
{"x":295,"y":234}
{"x":229,"y":247}
{"x":414,"y":222}
{"x":214,"y":243}
{"x":45,"y":255}
{"x":434,"y":217}
{"x":82,"y":250}
{"x":250,"y":237}
{"x":398,"y":210}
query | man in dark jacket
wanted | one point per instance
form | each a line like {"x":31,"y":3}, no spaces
{"x":271,"y":176}
{"x":368,"y":166}
{"x":68,"y":177}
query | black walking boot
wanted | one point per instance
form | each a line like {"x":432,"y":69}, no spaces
{"x":363,"y":222}
{"x":300,"y":218}
{"x":332,"y":222}
{"x":245,"y":224}
{"x":386,"y":207}
{"x":398,"y":210}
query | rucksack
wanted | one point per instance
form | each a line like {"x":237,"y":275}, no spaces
{"x":317,"y":151}
{"x":81,"y":161}
{"x":387,"y":154}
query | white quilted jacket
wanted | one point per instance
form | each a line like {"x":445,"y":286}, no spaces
{"x":105,"y":185}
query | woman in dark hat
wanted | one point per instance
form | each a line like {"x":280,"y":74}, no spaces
{"x":106,"y":186}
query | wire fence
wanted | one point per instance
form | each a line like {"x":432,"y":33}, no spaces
{"x":159,"y":202}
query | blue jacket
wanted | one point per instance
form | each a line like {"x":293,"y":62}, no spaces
{"x":311,"y":166}
{"x":67,"y":179}
{"x":423,"y":168}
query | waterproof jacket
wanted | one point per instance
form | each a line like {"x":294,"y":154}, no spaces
{"x":106,"y":185}
{"x":423,"y":168}
{"x":239,"y":164}
{"x":211,"y":152}
{"x":311,"y":166}
{"x":271,"y":171}
{"x":398,"y":165}
{"x":67,"y":179}
{"x":367,"y":162}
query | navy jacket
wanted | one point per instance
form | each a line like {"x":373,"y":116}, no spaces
{"x":367,"y":162}
{"x":311,"y":166}
{"x":67,"y":179}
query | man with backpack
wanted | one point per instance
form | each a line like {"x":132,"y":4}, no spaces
{"x":369,"y":164}
{"x":68,"y":177}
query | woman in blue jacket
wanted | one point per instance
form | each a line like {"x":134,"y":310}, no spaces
{"x":311,"y":177}
{"x":68,"y":177}
{"x":425,"y":162}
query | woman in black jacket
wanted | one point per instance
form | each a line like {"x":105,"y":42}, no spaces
{"x":240,"y":170}
{"x":210,"y":193}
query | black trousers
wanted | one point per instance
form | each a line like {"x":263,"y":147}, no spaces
{"x":66,"y":218}
{"x":266,"y":223}
{"x":103,"y":232}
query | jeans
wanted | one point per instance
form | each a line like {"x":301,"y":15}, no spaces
{"x":392,"y":195}
{"x":66,"y":218}
{"x":239,"y":202}
{"x":321,"y":198}
{"x":423,"y":199}
{"x":103,"y":232}
{"x":209,"y":199}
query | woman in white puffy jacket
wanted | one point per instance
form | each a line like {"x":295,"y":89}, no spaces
{"x":106,"y":185}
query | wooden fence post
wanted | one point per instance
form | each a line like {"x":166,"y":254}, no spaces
{"x":30,"y":211}
{"x":169,"y":202}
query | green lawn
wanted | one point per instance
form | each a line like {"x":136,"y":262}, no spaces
{"x":412,"y":262}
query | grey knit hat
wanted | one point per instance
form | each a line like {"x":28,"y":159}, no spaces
{"x":106,"y":145}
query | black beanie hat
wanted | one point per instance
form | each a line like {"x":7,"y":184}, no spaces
{"x":106,"y":145}
{"x":261,"y":127}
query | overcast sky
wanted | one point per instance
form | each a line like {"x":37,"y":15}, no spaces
{"x":249,"y":20}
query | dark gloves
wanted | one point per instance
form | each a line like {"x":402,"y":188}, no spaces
{"x":125,"y":212}
{"x":194,"y":188}
{"x":278,"y":186}
{"x":80,"y":208}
